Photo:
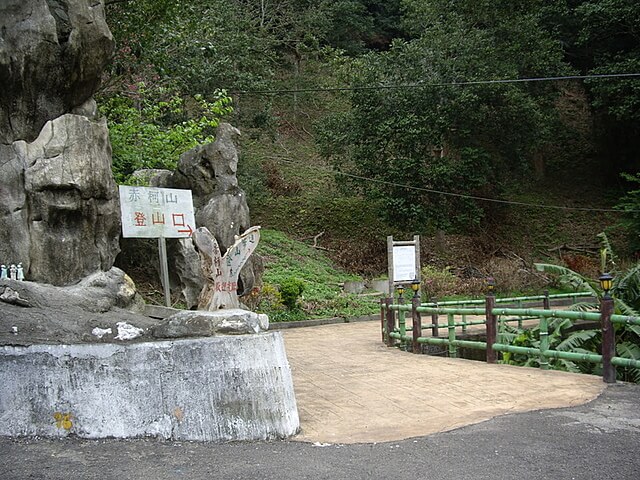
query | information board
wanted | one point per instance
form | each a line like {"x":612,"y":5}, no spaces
{"x":404,"y":263}
{"x":151,"y":212}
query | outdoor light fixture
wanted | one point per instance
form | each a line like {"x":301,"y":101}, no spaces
{"x":400,"y":290}
{"x":415,"y":286}
{"x":606,"y":282}
{"x":491,"y":284}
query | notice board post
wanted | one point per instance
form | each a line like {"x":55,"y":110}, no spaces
{"x":404,"y":261}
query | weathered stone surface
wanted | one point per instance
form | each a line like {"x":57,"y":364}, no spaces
{"x":187,"y":269}
{"x":208,"y":389}
{"x":52,"y":53}
{"x":210,"y":168}
{"x":209,"y":171}
{"x":225,"y":215}
{"x":59,"y":214}
{"x":58,"y":202}
{"x":14,"y":232}
{"x":12,"y":297}
{"x":221,"y":272}
{"x":199,"y":323}
{"x":38,"y":313}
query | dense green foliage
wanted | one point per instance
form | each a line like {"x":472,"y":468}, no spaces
{"x":609,"y":37}
{"x":626,"y":296}
{"x":442,"y":136}
{"x":151,"y":128}
{"x":204,"y":45}
{"x":630,"y":205}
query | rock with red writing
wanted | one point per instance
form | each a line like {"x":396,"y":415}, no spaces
{"x":221,"y":271}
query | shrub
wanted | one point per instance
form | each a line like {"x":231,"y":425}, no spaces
{"x":514,"y":276}
{"x":438,"y":282}
{"x":264,"y":299}
{"x":443,"y":282}
{"x":290,"y":290}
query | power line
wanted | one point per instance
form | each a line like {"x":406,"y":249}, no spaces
{"x":462,"y":195}
{"x":441,"y":84}
{"x":455,"y":84}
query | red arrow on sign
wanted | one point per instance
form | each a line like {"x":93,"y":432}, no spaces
{"x":189,"y":230}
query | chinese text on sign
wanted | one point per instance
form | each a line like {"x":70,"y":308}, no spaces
{"x":150,"y":212}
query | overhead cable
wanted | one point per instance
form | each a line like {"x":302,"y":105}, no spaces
{"x":462,"y":195}
{"x":440,"y":84}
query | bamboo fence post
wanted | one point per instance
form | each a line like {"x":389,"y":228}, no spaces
{"x":434,"y":319}
{"x":383,"y":302}
{"x":417,"y":323}
{"x":391,"y":323}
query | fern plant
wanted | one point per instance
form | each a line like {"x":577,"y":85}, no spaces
{"x":531,"y":338}
{"x":626,"y":296}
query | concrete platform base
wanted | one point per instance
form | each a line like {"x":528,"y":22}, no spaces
{"x":211,"y":389}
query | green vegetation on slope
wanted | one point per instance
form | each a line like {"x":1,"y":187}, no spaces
{"x":286,"y":259}
{"x":527,"y":142}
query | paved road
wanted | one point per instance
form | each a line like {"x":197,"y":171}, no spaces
{"x":595,"y":440}
{"x":599,"y":440}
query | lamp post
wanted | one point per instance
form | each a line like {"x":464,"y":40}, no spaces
{"x":606,"y":282}
{"x":491,"y":285}
{"x":400,"y":290}
{"x":415,"y":286}
{"x":608,"y":333}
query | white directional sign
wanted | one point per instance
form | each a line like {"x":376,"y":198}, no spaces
{"x":150,"y":212}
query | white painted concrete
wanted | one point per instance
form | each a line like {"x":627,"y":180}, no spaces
{"x":211,"y":389}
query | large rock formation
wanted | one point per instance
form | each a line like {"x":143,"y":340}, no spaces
{"x":209,"y":171}
{"x":52,"y":54}
{"x":58,"y":201}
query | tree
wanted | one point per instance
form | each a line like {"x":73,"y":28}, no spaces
{"x":200,"y":45}
{"x":151,"y":128}
{"x":438,"y":135}
{"x":603,"y":37}
{"x":630,"y":205}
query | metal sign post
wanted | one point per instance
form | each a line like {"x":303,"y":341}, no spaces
{"x":164,"y":270}
{"x":151,"y":212}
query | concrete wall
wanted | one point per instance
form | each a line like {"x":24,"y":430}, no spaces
{"x":212,"y":389}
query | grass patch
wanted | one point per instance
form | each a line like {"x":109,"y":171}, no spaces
{"x":286,"y":259}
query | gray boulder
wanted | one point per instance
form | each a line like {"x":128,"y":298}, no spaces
{"x":32,"y":313}
{"x":59,"y":212}
{"x":211,"y":323}
{"x":187,"y":268}
{"x":52,"y":54}
{"x":209,"y":171}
